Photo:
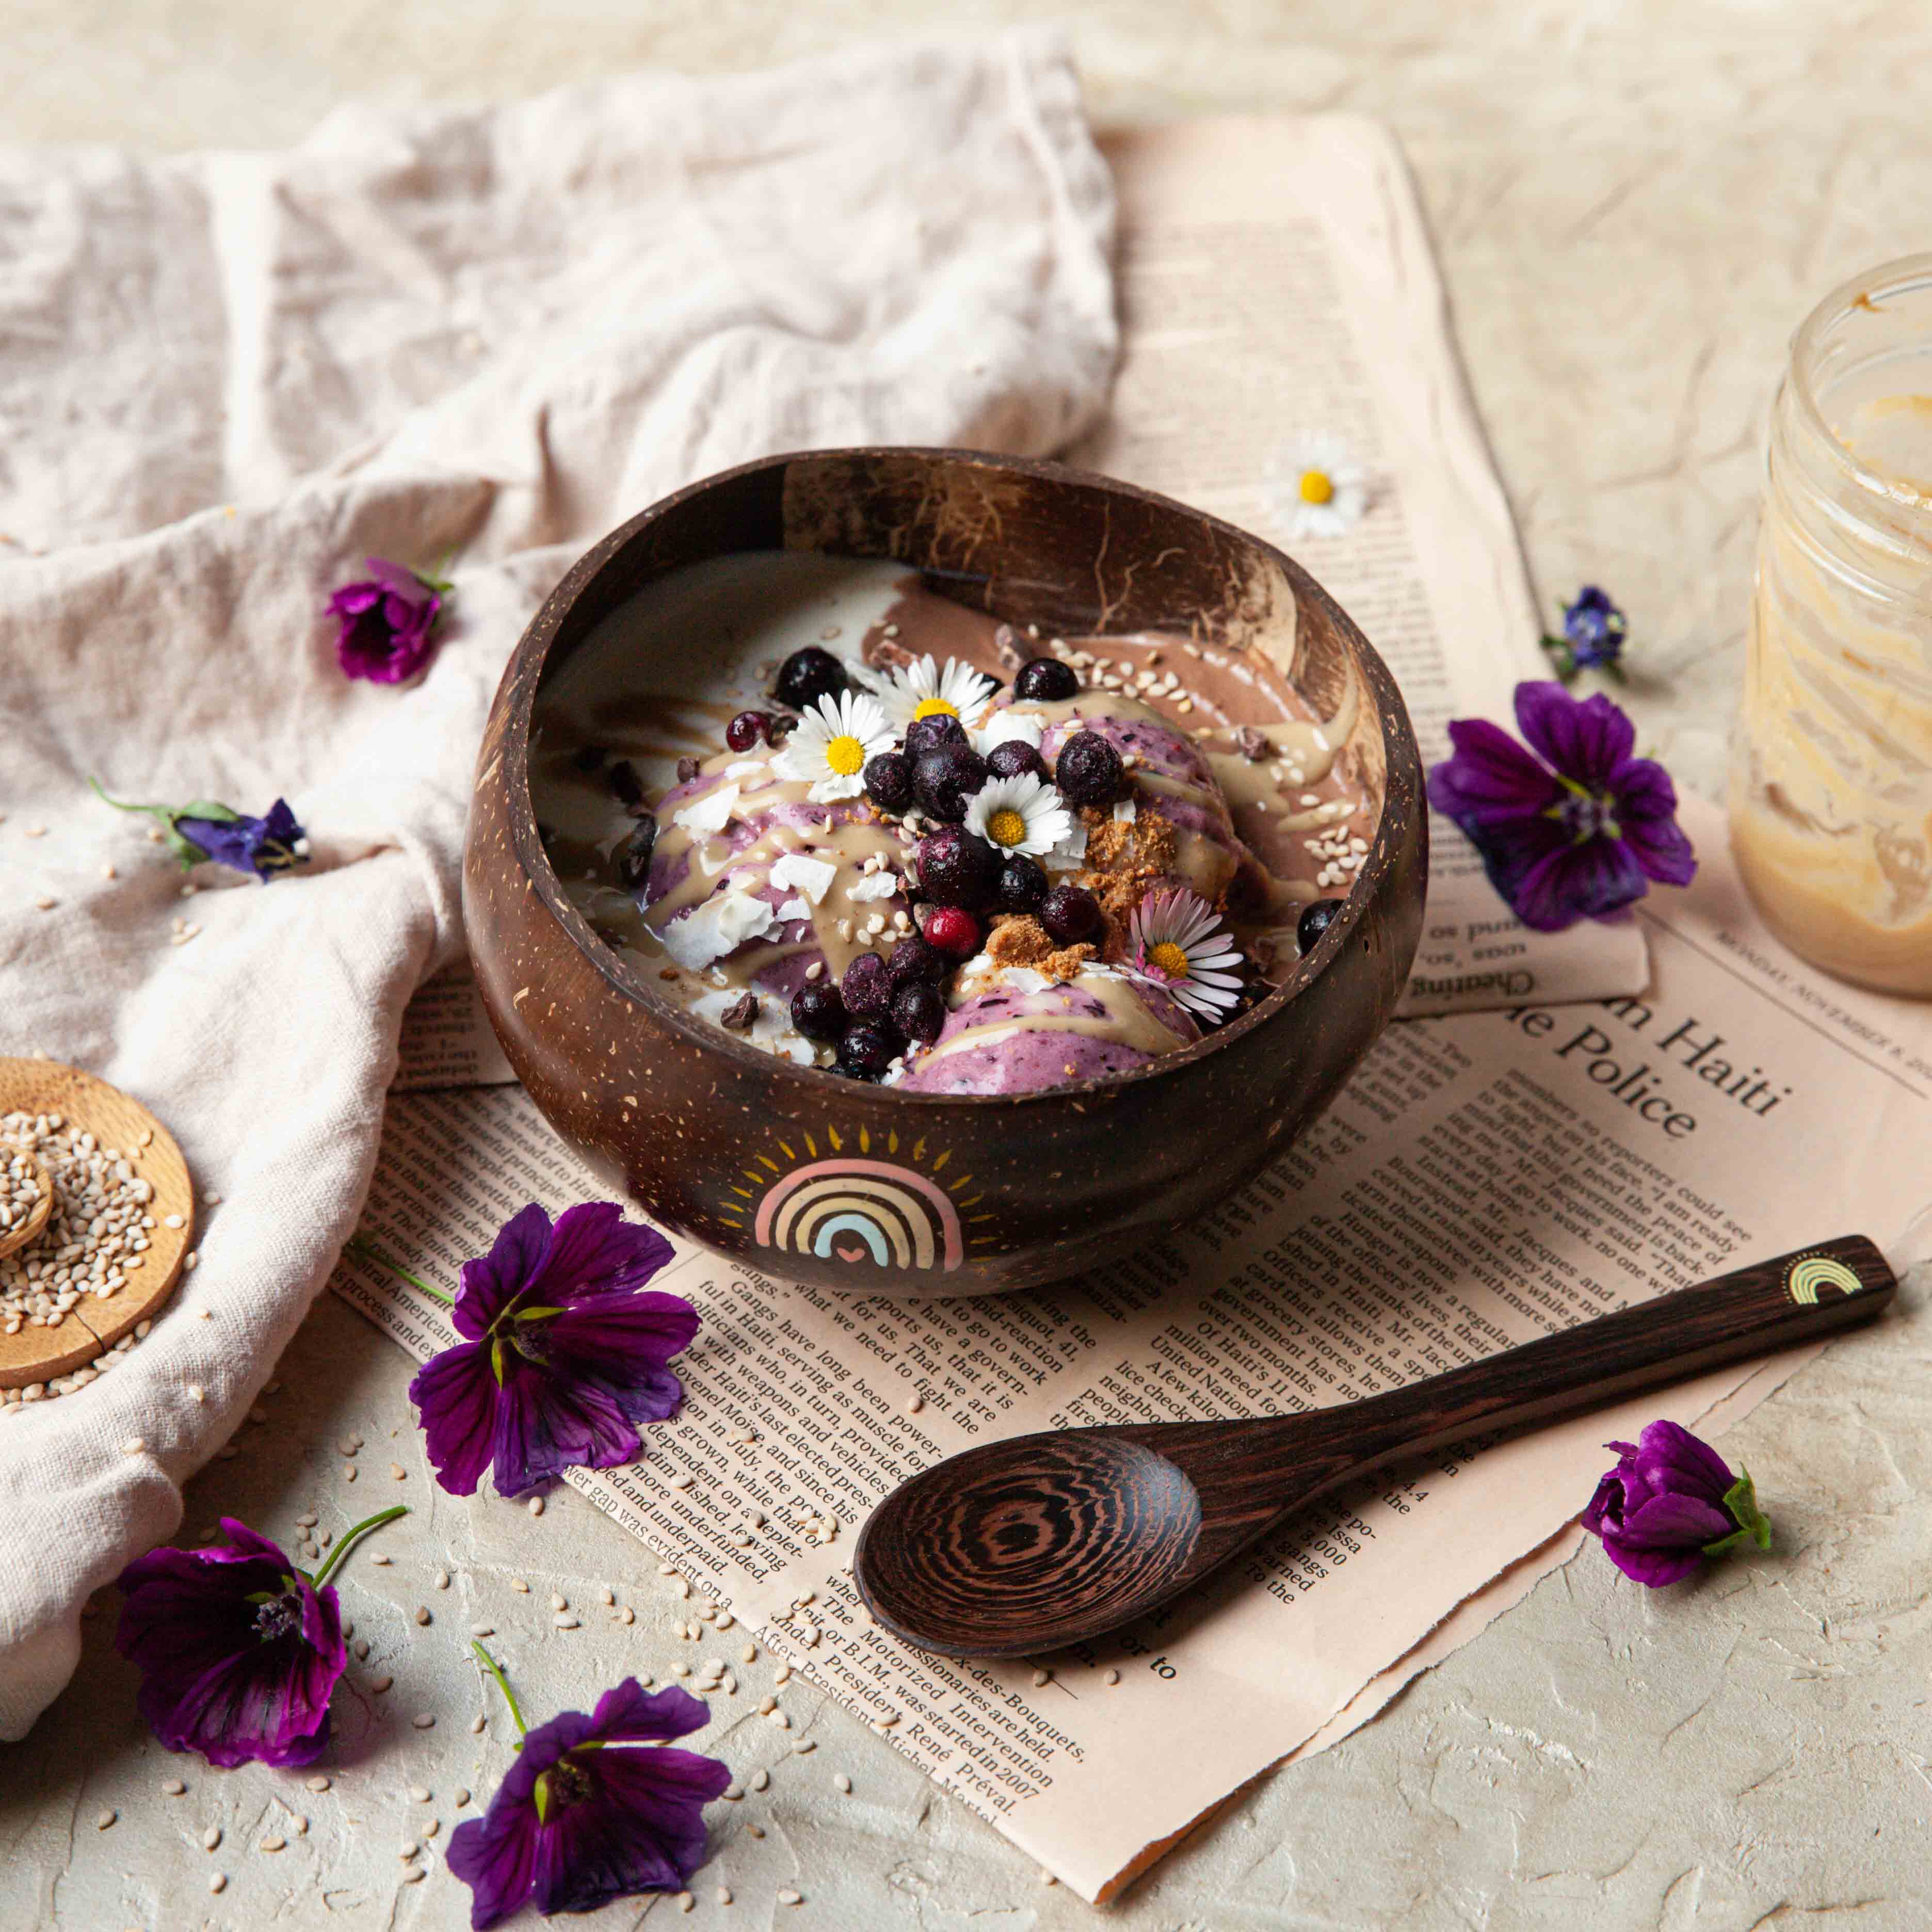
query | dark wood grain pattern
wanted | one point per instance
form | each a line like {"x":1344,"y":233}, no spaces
{"x":1021,"y":1546}
{"x":685,"y":1118}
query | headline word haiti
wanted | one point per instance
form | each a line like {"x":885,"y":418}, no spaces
{"x":1690,"y":1045}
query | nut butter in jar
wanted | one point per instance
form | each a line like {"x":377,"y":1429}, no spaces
{"x":1831,"y":794}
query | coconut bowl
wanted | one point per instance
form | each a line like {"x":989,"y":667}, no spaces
{"x":809,"y":1176}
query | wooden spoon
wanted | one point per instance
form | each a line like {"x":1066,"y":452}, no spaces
{"x":1024,"y":1545}
{"x":30,"y":1224}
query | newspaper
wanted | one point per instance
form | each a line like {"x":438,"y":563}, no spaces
{"x":447,"y":1038}
{"x":1276,"y":284}
{"x":1486,"y":1178}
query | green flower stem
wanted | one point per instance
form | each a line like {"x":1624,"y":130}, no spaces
{"x":349,"y":1536}
{"x":496,"y":1670}
{"x":358,"y":1245}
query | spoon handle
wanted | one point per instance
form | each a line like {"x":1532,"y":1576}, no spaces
{"x":1250,"y":1474}
{"x":1798,"y":1298}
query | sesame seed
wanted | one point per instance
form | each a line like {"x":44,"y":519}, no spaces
{"x":788,"y":1896}
{"x":174,"y":1787}
{"x":482,"y":1630}
{"x":605,"y":1595}
{"x":723,"y":1894}
{"x":414,"y":1876}
{"x":683,"y":1480}
{"x":518,"y":1583}
{"x":408,"y":1849}
{"x":535,"y":1506}
{"x":397,"y":1470}
{"x":107,"y":1818}
{"x":734,"y":1792}
{"x":566,"y":1623}
{"x":379,"y":1684}
{"x":478,"y":1725}
{"x":424,"y":1720}
{"x":627,"y":1615}
{"x":1040,"y":1677}
{"x":420,"y":1792}
{"x":914,"y":1404}
{"x":804,"y":1746}
{"x":381,"y":1560}
{"x":133,"y":1446}
{"x":217,"y":1882}
{"x":460,"y":1796}
{"x":274,"y":1844}
{"x":1113,"y":1677}
{"x":442,"y":1579}
{"x":422,"y":1613}
{"x":842,"y":1781}
{"x":211,"y":1837}
{"x":685,"y":1901}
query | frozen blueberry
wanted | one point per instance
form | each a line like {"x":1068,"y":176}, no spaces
{"x":1088,"y":770}
{"x":868,"y":1048}
{"x":957,"y":868}
{"x":1071,"y":914}
{"x":914,"y":960}
{"x":807,"y":676}
{"x":866,"y":990}
{"x":919,"y":1011}
{"x":1021,"y":885}
{"x":1315,"y":921}
{"x":929,"y":734}
{"x":1046,"y":681}
{"x":747,"y":728}
{"x":634,"y":855}
{"x":889,"y":780}
{"x":818,"y":1012}
{"x":1014,"y":758}
{"x":945,"y":779}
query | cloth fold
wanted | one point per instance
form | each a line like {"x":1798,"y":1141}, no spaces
{"x":226,"y":379}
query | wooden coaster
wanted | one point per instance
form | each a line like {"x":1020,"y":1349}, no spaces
{"x":94,"y":1323}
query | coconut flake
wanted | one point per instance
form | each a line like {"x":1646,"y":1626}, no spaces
{"x":878,"y":886}
{"x":1125,"y":811}
{"x":718,"y":927}
{"x":795,"y":909}
{"x":1006,"y":726}
{"x":711,"y":813}
{"x":812,"y":877}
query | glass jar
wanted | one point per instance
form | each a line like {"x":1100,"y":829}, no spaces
{"x":1831,"y":793}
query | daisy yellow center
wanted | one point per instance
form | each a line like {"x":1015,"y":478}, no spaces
{"x":936,"y":707}
{"x":1317,"y":486}
{"x":1170,"y":958}
{"x":1006,"y":826}
{"x":845,"y":755}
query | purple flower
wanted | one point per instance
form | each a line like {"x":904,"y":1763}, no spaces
{"x":239,"y":1650}
{"x":1579,"y":836}
{"x":1594,"y":630}
{"x":1670,"y":1502}
{"x":384,"y":621}
{"x":575,"y":1823}
{"x":204,"y":829}
{"x":565,"y":1356}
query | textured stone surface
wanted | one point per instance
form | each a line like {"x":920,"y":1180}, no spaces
{"x":1633,"y":206}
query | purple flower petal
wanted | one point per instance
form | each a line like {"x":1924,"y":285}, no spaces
{"x":1653,"y":1568}
{"x":544,"y":1424}
{"x":496,"y":1856}
{"x":1591,"y":880}
{"x":1490,"y":776}
{"x":595,"y":1249}
{"x":1584,"y":740}
{"x":1646,"y":808}
{"x":1674,"y":1522}
{"x":262,"y":846}
{"x":488,"y":1286}
{"x":456,"y":1393}
{"x":1657,"y":1510}
{"x":1669,"y":1458}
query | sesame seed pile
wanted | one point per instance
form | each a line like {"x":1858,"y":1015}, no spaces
{"x":20,"y":1186}
{"x":97,"y":1236}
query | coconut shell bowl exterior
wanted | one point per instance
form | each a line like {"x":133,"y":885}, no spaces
{"x":745,"y":1152}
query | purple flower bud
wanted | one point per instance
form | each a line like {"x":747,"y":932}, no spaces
{"x":1670,"y":1502}
{"x":384,"y":621}
{"x":1594,"y":629}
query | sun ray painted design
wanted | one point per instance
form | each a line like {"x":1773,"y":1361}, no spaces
{"x":1810,"y":1275}
{"x":852,"y":1207}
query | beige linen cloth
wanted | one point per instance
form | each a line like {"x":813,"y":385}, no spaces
{"x":225,"y":379}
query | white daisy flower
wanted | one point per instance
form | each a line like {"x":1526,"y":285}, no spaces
{"x":1179,"y":944}
{"x":831,"y":742}
{"x":1008,"y":726}
{"x":928,"y":689}
{"x":1025,"y":815}
{"x":1315,"y":487}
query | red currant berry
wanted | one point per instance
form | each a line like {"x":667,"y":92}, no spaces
{"x":746,"y":729}
{"x":953,"y":931}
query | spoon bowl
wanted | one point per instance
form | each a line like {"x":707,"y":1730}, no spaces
{"x":1029,"y":1543}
